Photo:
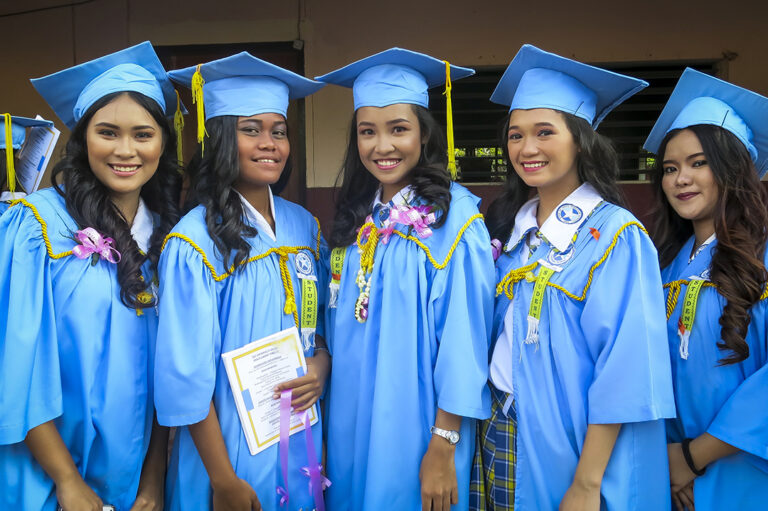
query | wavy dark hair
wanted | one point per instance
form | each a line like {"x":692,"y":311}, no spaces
{"x":213,"y":173}
{"x":88,"y":199}
{"x":597,"y":163}
{"x":741,"y":217}
{"x":429,"y":179}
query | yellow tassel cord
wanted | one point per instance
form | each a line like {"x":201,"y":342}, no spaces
{"x":672,"y":296}
{"x":178,"y":125}
{"x":197,"y":98}
{"x":421,"y":245}
{"x":513,"y":276}
{"x":11,"y":172}
{"x":449,"y":123}
{"x":368,"y":250}
{"x":281,"y":252}
{"x":507,"y":284}
{"x":44,"y":230}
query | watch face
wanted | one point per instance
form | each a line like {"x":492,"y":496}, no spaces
{"x":453,"y":437}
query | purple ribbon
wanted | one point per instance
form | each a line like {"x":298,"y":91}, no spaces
{"x":91,"y":242}
{"x":317,"y":482}
{"x":285,"y":436}
{"x":495,"y":248}
{"x":418,"y":217}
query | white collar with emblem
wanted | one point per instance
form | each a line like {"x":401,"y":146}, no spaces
{"x":562,"y":223}
{"x":401,"y":198}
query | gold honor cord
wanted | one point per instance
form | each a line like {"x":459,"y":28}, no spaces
{"x":197,"y":99}
{"x":449,"y":123}
{"x":337,"y":266}
{"x":11,"y":171}
{"x":178,"y":125}
{"x":685,"y":325}
{"x":308,"y":311}
{"x":537,"y":300}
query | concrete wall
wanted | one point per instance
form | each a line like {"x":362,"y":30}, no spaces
{"x":335,"y":32}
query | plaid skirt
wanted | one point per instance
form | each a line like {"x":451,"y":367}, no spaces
{"x":492,"y":486}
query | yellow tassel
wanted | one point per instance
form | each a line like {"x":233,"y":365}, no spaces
{"x":449,"y":123}
{"x":178,"y":125}
{"x":9,"y":154}
{"x":368,"y":250}
{"x":197,"y":98}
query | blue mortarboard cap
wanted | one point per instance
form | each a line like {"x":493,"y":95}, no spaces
{"x":244,"y":85}
{"x":72,"y":91}
{"x":19,"y":127}
{"x":393,"y":76}
{"x":539,"y":79}
{"x":699,"y":98}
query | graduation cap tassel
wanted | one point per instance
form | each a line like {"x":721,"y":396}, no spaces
{"x":197,"y":98}
{"x":9,"y":154}
{"x":178,"y":125}
{"x":449,"y":123}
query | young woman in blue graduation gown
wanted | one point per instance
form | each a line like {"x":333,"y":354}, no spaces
{"x":579,"y":372}
{"x":410,"y":322}
{"x":230,"y":275}
{"x":79,"y":334}
{"x":711,"y":235}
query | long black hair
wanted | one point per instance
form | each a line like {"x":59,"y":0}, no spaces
{"x":88,"y":199}
{"x":741,"y":217}
{"x":597,"y":163}
{"x":213,"y":173}
{"x":429,"y":179}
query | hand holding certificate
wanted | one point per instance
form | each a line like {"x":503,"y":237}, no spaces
{"x":253,"y":371}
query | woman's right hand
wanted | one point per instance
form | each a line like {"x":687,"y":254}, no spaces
{"x":74,"y":495}
{"x":235,"y":495}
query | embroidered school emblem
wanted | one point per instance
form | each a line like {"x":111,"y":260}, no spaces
{"x":559,"y":258}
{"x":303,"y":264}
{"x":569,"y":213}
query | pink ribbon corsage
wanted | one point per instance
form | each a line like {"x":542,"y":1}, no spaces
{"x":94,"y":245}
{"x":495,"y":248}
{"x":418,"y":217}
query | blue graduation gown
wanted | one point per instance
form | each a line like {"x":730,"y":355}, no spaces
{"x":4,"y":207}
{"x":72,"y":353}
{"x":201,"y":318}
{"x":424,"y":346}
{"x":599,"y":359}
{"x":728,"y":402}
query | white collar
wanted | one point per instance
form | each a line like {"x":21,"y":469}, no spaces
{"x":142,"y":227}
{"x":562,"y":223}
{"x":257,"y":218}
{"x":701,"y":247}
{"x":8,"y":196}
{"x":401,"y":198}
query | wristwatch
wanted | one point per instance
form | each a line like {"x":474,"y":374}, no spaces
{"x":452,"y":436}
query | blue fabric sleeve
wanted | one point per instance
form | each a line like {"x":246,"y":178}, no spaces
{"x":743,"y":419}
{"x":188,"y":337}
{"x":462,"y":297}
{"x":30,"y":381}
{"x":623,"y":323}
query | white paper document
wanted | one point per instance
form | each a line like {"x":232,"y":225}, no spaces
{"x":253,"y":371}
{"x":36,"y":154}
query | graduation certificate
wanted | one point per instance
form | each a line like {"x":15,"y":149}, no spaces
{"x":253,"y":371}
